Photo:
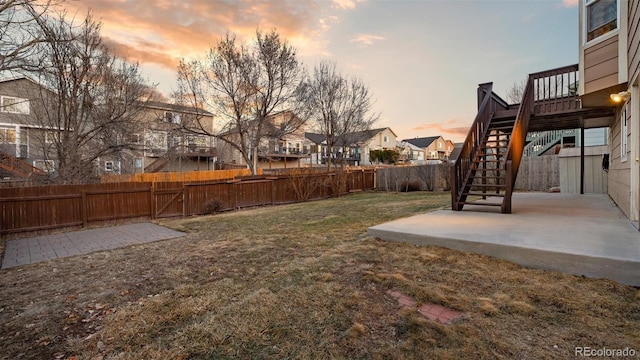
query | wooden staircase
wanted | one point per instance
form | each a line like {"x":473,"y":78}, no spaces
{"x":479,"y":174}
{"x":161,"y":162}
{"x":486,"y":168}
{"x":18,"y":167}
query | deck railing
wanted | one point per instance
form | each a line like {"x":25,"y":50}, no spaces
{"x":546,"y":92}
{"x":556,"y":90}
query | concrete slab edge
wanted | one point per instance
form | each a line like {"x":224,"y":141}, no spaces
{"x":623,"y":271}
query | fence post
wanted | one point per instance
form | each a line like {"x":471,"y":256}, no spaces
{"x":273,"y":191}
{"x":185,"y":196}
{"x":85,"y":215}
{"x":152,"y":202}
{"x":454,"y":189}
{"x":506,"y":202}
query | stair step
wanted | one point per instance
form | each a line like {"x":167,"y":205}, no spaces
{"x":500,"y":127}
{"x":482,"y":194}
{"x":489,"y":185}
{"x":480,"y":203}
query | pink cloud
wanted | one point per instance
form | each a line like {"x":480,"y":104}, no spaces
{"x":453,"y":129}
{"x":170,"y":30}
{"x":569,"y":3}
{"x":366,"y":39}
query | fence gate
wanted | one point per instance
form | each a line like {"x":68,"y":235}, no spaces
{"x":168,"y":199}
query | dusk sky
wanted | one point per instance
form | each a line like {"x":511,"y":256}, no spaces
{"x":422,"y":59}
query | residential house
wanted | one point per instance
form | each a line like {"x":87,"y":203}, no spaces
{"x":376,"y":139}
{"x":283,"y":146}
{"x":435,"y":147}
{"x":410,"y":154}
{"x":24,"y":142}
{"x":609,"y":76}
{"x":602,"y":90}
{"x":354,"y":148}
{"x":159,"y":142}
{"x":174,"y":138}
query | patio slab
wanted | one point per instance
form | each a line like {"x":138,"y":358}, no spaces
{"x":36,"y":249}
{"x":578,"y":234}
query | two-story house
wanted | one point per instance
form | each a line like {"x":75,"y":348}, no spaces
{"x":410,"y":154}
{"x":25,"y":142}
{"x":175,"y":138}
{"x":609,"y":69}
{"x":352,"y":148}
{"x":434,"y":147}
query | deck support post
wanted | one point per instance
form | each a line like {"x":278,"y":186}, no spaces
{"x":506,"y":202}
{"x":581,"y":157}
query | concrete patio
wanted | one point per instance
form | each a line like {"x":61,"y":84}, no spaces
{"x":578,"y":234}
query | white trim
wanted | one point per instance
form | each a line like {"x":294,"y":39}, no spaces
{"x":624,"y":135}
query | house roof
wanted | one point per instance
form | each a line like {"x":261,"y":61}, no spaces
{"x":175,"y":107}
{"x":457,"y":148}
{"x":422,"y":142}
{"x":409,"y":145}
{"x":348,"y":138}
{"x":315,"y":138}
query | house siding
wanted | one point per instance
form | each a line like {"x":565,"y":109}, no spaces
{"x":619,"y":177}
{"x":633,"y":38}
{"x":601,"y":65}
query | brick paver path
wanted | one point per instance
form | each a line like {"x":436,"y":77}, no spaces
{"x":432,"y":311}
{"x":31,"y":250}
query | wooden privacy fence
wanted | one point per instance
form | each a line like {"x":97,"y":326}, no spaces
{"x":209,"y":175}
{"x":49,"y":207}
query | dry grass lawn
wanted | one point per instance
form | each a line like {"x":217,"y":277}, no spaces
{"x":304,"y":281}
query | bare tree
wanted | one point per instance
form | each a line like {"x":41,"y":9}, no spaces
{"x":340,"y":106}
{"x":515,"y":93}
{"x":90,"y":99}
{"x":245,"y":85}
{"x":19,"y":35}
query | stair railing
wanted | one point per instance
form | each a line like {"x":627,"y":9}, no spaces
{"x":515,"y":148}
{"x":463,"y":165}
{"x":543,"y":141}
{"x":17,"y":166}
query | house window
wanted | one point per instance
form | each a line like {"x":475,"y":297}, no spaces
{"x":137,"y":163}
{"x":385,"y":139}
{"x":134,"y":138}
{"x":7,"y":135}
{"x":51,"y":137}
{"x":108,"y":165}
{"x":439,"y":145}
{"x":14,"y":105}
{"x":623,"y":135}
{"x":601,"y":17}
{"x":46,"y":165}
{"x":172,"y":117}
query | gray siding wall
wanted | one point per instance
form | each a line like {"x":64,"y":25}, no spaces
{"x":633,"y":53}
{"x":619,"y":176}
{"x":601,"y":65}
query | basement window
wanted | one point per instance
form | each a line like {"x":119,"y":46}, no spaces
{"x":601,"y":17}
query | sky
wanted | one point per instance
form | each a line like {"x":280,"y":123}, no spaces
{"x":422,"y":59}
